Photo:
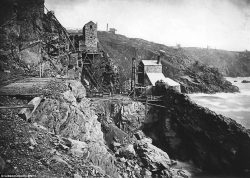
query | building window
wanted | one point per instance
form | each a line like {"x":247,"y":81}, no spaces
{"x":90,"y":26}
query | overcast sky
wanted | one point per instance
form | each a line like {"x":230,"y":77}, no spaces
{"x":221,"y":24}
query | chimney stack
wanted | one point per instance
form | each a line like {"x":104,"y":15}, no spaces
{"x":107,"y":27}
{"x":159,"y":57}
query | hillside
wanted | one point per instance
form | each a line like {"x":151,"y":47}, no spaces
{"x":230,"y":63}
{"x":179,"y":64}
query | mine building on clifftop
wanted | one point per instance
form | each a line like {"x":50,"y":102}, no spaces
{"x":90,"y":36}
{"x":112,"y":30}
{"x":150,"y":71}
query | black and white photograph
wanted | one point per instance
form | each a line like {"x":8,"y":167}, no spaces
{"x":125,"y":88}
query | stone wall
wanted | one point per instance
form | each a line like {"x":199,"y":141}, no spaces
{"x":90,"y":36}
{"x":153,"y":69}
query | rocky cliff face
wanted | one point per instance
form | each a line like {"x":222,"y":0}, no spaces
{"x":24,"y":31}
{"x":21,"y":21}
{"x":63,"y":138}
{"x":177,"y":63}
{"x":190,"y":132}
{"x":201,"y":78}
{"x":71,"y":136}
{"x":122,"y":121}
{"x":71,"y":116}
{"x":229,"y":63}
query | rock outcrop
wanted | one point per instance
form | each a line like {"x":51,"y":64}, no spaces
{"x":154,"y":158}
{"x":245,"y":81}
{"x":204,"y":79}
{"x":26,"y":33}
{"x":125,"y":113}
{"x":229,"y":63}
{"x":71,"y":116}
{"x":121,"y":124}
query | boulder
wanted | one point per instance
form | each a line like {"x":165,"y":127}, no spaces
{"x":147,"y":140}
{"x":77,"y":88}
{"x":68,"y":96}
{"x":115,"y":146}
{"x":68,"y":118}
{"x":127,"y":151}
{"x":146,"y":173}
{"x":78,"y":148}
{"x":154,"y":159}
{"x":59,"y":161}
{"x":26,"y":113}
{"x":139,"y":135}
{"x":245,"y":81}
{"x":180,"y":173}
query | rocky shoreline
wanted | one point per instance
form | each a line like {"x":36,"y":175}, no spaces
{"x":190,"y":132}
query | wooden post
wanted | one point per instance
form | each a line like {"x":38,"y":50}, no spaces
{"x":40,"y":66}
{"x":133,"y":77}
{"x":40,"y":69}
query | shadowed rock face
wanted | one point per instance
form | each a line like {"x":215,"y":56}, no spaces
{"x":21,"y":20}
{"x":190,"y":132}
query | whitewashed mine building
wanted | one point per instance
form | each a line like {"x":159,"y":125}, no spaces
{"x":150,"y":71}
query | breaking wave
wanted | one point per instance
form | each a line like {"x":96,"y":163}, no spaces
{"x":233,"y":105}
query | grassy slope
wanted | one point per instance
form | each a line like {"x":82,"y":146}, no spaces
{"x":179,"y":64}
{"x":229,"y":63}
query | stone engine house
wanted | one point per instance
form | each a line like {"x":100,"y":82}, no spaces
{"x":150,"y":71}
{"x":90,"y":36}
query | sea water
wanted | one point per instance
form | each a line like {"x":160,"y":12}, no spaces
{"x":233,"y":105}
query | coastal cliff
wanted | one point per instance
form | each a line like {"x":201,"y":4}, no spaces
{"x":70,"y":135}
{"x":190,"y":132}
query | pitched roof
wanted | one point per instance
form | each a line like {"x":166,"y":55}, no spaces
{"x":90,"y":22}
{"x":154,"y":77}
{"x":150,"y":63}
